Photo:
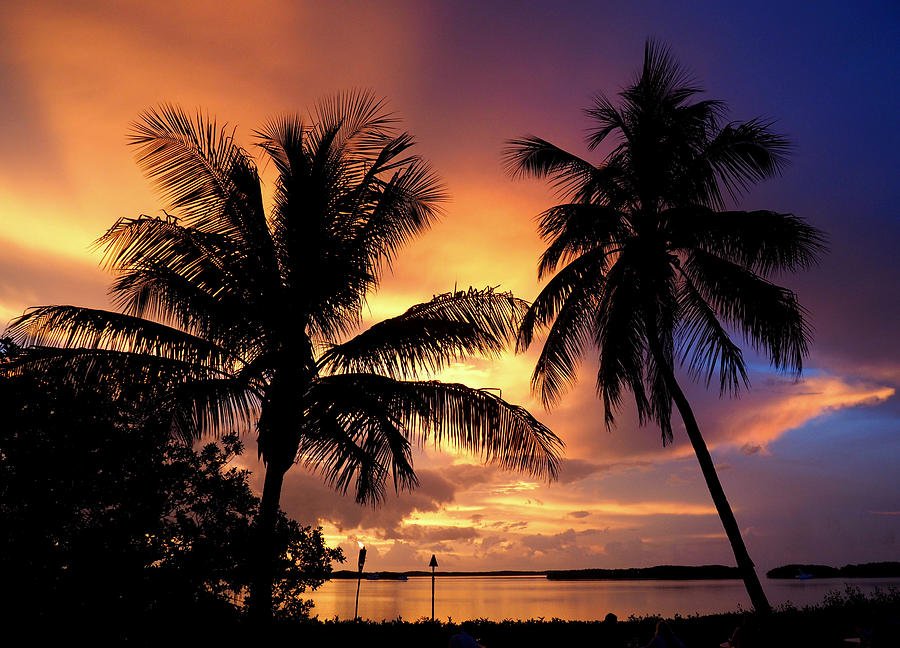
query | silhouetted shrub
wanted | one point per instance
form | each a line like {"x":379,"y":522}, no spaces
{"x":108,"y":524}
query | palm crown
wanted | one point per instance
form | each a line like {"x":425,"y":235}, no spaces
{"x":244,"y":314}
{"x":651,"y":268}
{"x":229,"y":316}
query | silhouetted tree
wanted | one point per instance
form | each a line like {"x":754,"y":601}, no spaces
{"x":108,"y":521}
{"x":246,"y":317}
{"x":651,"y":269}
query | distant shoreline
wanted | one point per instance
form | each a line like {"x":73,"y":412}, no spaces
{"x":660,"y":572}
{"x":863,"y":570}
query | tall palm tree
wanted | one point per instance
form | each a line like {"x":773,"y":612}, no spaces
{"x":652,"y":269}
{"x":246,"y":318}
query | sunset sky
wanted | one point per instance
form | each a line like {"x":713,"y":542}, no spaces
{"x":810,"y":466}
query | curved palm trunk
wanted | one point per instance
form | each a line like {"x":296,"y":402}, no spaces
{"x":745,"y":564}
{"x":263,"y":575}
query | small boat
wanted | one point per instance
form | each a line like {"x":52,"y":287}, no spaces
{"x":802,"y":575}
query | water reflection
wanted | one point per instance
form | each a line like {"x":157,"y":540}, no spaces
{"x":526,"y":597}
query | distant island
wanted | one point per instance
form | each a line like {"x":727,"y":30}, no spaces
{"x":864,"y":570}
{"x":660,"y":572}
{"x":388,"y":575}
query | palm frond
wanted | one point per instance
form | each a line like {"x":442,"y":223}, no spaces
{"x":535,"y":157}
{"x":429,"y":336}
{"x":283,"y":138}
{"x":352,"y":438}
{"x":143,"y":376}
{"x":473,"y":420}
{"x":661,"y":313}
{"x":706,"y":345}
{"x":608,"y":119}
{"x":189,"y":159}
{"x":573,"y":229}
{"x":588,"y":270}
{"x":769,"y":316}
{"x":75,"y":327}
{"x":662,"y":82}
{"x":567,"y":304}
{"x":620,"y":335}
{"x":358,"y":117}
{"x":218,"y":406}
{"x":739,"y":156}
{"x":764,"y":242}
{"x":397,"y":210}
{"x":659,"y":399}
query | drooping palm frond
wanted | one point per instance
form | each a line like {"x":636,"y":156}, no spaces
{"x":739,"y":156}
{"x":768,"y":316}
{"x":75,"y":327}
{"x":707,"y":348}
{"x":661,"y":314}
{"x":473,"y":420}
{"x":567,"y":306}
{"x":575,"y":229}
{"x":764,"y":242}
{"x":620,"y":334}
{"x":659,"y":398}
{"x":353,"y":438}
{"x":431,"y":335}
{"x":588,"y":269}
{"x":218,"y":405}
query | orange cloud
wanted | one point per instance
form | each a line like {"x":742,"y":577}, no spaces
{"x":772,"y":413}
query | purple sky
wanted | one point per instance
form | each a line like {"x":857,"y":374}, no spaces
{"x":810,"y":467}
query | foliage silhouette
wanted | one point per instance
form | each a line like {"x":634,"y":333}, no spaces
{"x":650,"y":268}
{"x":246,"y":316}
{"x":107,"y":518}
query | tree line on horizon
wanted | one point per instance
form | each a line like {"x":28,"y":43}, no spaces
{"x":232,"y":320}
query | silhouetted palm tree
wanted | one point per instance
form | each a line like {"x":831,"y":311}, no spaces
{"x":651,"y":270}
{"x":244,"y":317}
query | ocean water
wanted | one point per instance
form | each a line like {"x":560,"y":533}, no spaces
{"x":533,"y":597}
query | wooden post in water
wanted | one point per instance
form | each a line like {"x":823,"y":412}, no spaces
{"x":362,"y":562}
{"x":432,"y":564}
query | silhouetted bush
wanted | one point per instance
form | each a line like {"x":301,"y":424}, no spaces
{"x":108,"y":525}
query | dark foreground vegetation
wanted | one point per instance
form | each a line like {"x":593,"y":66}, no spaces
{"x":839,"y":617}
{"x":864,"y":570}
{"x":109,"y":525}
{"x":842,"y":615}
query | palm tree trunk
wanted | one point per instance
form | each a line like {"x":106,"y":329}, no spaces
{"x":263,"y":574}
{"x":745,"y":564}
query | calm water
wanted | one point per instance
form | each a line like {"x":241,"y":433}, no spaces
{"x":527,"y":597}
